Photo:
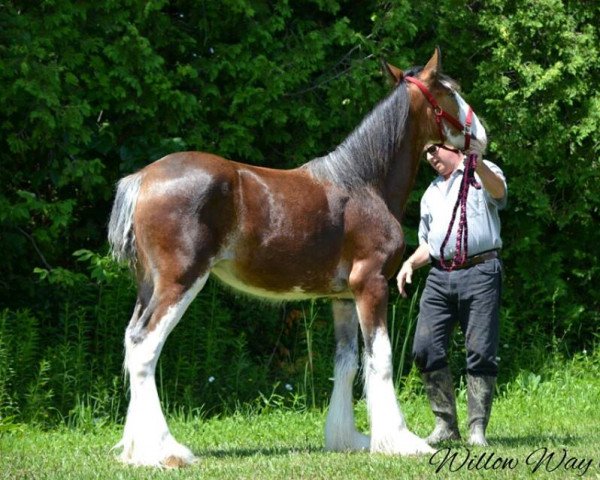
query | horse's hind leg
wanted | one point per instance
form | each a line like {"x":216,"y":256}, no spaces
{"x":340,"y":432}
{"x":146,"y":437}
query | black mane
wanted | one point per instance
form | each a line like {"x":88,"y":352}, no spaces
{"x":363,"y":158}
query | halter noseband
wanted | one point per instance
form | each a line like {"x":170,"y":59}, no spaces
{"x":441,"y":114}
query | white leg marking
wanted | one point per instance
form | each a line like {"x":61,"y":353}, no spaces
{"x":340,"y":432}
{"x":146,"y":437}
{"x":389,"y":433}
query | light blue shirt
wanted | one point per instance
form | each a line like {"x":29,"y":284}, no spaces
{"x":482,"y":215}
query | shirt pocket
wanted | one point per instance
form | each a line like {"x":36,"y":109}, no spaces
{"x":475,"y":203}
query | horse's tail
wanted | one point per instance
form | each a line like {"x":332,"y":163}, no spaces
{"x":121,"y":235}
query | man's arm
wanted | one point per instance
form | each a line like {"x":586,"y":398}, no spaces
{"x":419,"y":258}
{"x":491,"y":182}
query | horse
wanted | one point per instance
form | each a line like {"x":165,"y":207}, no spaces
{"x":329,"y":228}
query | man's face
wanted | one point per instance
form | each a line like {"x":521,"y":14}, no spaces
{"x":443,"y":159}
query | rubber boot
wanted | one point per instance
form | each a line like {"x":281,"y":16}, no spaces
{"x":440,"y":392}
{"x":480,"y":393}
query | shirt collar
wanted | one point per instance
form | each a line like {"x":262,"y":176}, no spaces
{"x":459,"y":171}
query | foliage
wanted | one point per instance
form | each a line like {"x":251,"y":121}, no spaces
{"x":554,"y":159}
{"x":92,"y":91}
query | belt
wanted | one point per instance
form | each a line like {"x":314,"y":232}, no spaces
{"x":471,"y":261}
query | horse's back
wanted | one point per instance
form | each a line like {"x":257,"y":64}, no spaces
{"x":274,"y":233}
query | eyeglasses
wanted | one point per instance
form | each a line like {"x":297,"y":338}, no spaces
{"x":433,"y":148}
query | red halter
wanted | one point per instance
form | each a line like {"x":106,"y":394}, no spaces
{"x":441,"y":114}
{"x":462,"y":248}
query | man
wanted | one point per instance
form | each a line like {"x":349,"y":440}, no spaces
{"x":469,"y":295}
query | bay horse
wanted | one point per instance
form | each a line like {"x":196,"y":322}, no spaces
{"x":330,"y":228}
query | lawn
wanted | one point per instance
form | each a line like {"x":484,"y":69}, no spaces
{"x":541,"y":428}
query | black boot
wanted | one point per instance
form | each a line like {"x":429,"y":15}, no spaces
{"x":480,"y":393}
{"x":440,"y":392}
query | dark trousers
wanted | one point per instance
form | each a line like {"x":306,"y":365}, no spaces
{"x":470,"y":297}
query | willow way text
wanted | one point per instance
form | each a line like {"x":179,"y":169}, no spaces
{"x":541,"y":459}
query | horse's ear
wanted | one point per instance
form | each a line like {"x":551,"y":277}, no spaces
{"x":434,"y":65}
{"x":393,"y":73}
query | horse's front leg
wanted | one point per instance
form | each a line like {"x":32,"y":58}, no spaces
{"x":389,"y":433}
{"x":340,"y":432}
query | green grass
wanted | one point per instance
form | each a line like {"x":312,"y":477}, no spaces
{"x":557,"y":412}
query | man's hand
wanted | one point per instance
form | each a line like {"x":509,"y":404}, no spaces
{"x":415,"y":261}
{"x":477,"y":147}
{"x":491,"y":182}
{"x":474,"y":150}
{"x":404,"y":277}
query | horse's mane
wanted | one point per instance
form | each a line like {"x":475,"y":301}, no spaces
{"x":363,"y":158}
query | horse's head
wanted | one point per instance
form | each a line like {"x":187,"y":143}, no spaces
{"x":443,"y":115}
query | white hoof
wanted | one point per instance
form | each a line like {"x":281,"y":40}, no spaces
{"x":167,"y":453}
{"x":355,"y":442}
{"x":401,"y":442}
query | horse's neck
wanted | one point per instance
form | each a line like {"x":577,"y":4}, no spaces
{"x":402,"y":173}
{"x":381,"y":154}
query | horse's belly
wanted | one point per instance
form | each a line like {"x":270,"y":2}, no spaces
{"x":228,"y":273}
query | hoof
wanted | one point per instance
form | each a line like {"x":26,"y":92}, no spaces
{"x":356,"y":442}
{"x":361,"y":442}
{"x":173,"y":461}
{"x":402,"y":442}
{"x":166,"y":454}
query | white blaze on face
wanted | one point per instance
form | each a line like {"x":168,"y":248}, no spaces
{"x":478,"y":134}
{"x":477,"y":130}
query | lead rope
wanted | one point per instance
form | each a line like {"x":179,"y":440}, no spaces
{"x":462,"y":236}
